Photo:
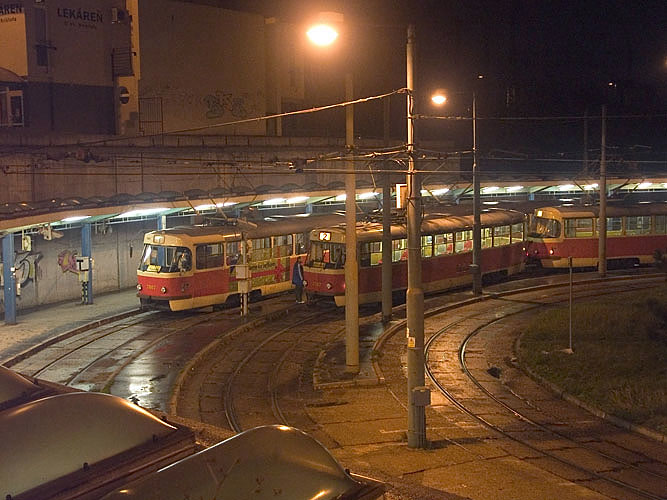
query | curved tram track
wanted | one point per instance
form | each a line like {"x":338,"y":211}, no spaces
{"x":591,"y":452}
{"x":218,"y":369}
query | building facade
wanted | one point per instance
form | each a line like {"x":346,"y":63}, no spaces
{"x":59,"y":62}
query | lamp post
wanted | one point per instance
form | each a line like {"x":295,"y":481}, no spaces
{"x":418,"y":394}
{"x":324,"y":34}
{"x":440,"y":98}
{"x":476,"y":267}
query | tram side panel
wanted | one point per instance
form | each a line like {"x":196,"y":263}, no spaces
{"x":634,"y":233}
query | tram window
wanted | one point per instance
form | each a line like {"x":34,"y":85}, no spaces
{"x":661,"y":224}
{"x":370,"y":254}
{"x":614,"y":226}
{"x":375,"y":253}
{"x":463,"y":241}
{"x":427,"y":246}
{"x":640,"y":224}
{"x":517,"y":232}
{"x":578,"y":228}
{"x":487,"y":238}
{"x":233,"y":252}
{"x":326,"y":255}
{"x":301,"y":242}
{"x":501,"y":236}
{"x":261,"y":249}
{"x":444,"y":244}
{"x":282,"y":245}
{"x":399,"y":250}
{"x":181,"y":261}
{"x":209,"y":256}
{"x":541,"y":227}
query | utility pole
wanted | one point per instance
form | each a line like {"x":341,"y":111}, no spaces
{"x":476,"y":208}
{"x":418,"y":395}
{"x":351,"y":265}
{"x":602,"y":225}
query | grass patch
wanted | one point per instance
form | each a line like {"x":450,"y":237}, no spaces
{"x":620,"y":353}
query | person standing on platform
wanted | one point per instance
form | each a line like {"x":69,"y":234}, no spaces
{"x":297,"y":280}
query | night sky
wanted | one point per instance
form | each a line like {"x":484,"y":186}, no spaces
{"x":538,"y":58}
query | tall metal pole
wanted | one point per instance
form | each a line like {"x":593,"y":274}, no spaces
{"x":477,"y":225}
{"x":351,"y":264}
{"x":415,"y":293}
{"x":386,"y":226}
{"x":9,"y":278}
{"x":602,"y":242}
{"x":386,"y":250}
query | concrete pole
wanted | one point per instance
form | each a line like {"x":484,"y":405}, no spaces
{"x":9,"y":278}
{"x":476,"y":209}
{"x":602,"y":241}
{"x":415,"y":293}
{"x":351,"y":264}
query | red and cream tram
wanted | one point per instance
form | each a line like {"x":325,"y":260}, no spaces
{"x":446,"y":253}
{"x":195,"y":266}
{"x":634,"y":233}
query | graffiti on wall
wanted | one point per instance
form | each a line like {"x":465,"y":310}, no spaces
{"x":67,"y":261}
{"x":221,"y":103}
{"x":25,"y":264}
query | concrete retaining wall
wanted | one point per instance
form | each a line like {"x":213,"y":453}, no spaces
{"x":47,"y":272}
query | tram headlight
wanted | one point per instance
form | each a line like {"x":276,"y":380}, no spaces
{"x":139,"y":287}
{"x":163,"y":289}
{"x":551,"y":251}
{"x":329,"y":286}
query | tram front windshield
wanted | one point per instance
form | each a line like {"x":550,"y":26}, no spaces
{"x":326,"y":255}
{"x":165,"y":259}
{"x":541,"y":227}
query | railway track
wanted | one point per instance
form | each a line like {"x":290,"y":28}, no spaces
{"x":234,"y":374}
{"x":600,"y":458}
{"x":258,"y":377}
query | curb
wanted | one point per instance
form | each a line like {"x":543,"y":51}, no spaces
{"x":612,"y":419}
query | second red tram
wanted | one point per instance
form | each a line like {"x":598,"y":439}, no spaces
{"x":446,"y":249}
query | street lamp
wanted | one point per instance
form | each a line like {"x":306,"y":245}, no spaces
{"x":439,"y":97}
{"x":324,"y":34}
{"x":418,"y":394}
